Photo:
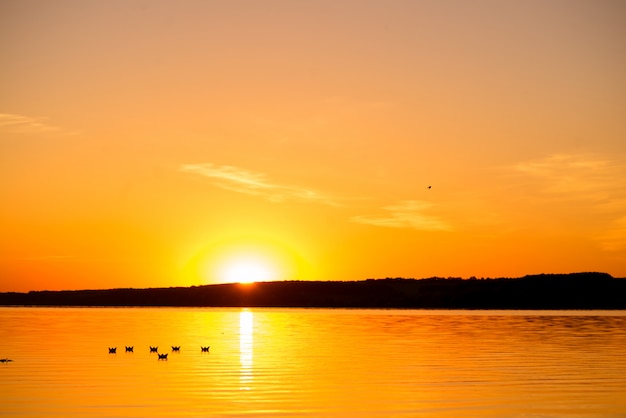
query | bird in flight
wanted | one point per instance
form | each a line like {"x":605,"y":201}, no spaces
{"x":429,"y":187}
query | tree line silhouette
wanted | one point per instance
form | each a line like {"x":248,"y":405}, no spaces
{"x":544,"y":291}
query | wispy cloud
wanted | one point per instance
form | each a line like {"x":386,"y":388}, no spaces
{"x":595,"y":187}
{"x":253,"y":183}
{"x":614,"y":238}
{"x":29,"y":125}
{"x":49,"y":258}
{"x":407,"y":214}
{"x":577,"y":176}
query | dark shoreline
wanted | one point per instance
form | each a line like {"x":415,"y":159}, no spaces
{"x":544,"y":291}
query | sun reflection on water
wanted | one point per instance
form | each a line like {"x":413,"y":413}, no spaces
{"x":246,"y":327}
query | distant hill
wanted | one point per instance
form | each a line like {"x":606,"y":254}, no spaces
{"x":545,"y":291}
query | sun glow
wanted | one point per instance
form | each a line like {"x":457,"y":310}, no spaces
{"x":246,"y":269}
{"x":244,"y":259}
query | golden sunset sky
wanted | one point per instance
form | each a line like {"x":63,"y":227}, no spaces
{"x":175,"y":143}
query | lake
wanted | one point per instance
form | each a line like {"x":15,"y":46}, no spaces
{"x":312,"y":363}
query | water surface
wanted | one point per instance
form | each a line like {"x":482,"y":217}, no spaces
{"x":312,"y":362}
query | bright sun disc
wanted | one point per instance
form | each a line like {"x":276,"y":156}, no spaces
{"x":246,"y":270}
{"x":245,"y":260}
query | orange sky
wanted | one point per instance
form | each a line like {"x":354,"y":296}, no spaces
{"x":152,"y":143}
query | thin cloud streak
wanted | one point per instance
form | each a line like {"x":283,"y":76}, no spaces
{"x":406,"y":214}
{"x":614,"y":238}
{"x":49,"y":258}
{"x":255,"y":184}
{"x":577,"y":176}
{"x":29,"y":125}
{"x":597,"y":184}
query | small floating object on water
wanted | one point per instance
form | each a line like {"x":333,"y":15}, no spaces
{"x":162,"y":356}
{"x":5,"y":360}
{"x":112,"y":350}
{"x":176,"y":348}
{"x":205,"y":349}
{"x":154,"y":349}
{"x":129,"y":349}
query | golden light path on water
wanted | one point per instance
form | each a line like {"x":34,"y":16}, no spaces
{"x":246,"y":342}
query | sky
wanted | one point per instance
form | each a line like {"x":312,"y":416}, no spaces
{"x":176,"y":143}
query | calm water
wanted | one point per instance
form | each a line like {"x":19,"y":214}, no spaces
{"x":296,"y":362}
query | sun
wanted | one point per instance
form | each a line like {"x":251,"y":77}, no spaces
{"x":246,"y":269}
{"x":244,"y":259}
